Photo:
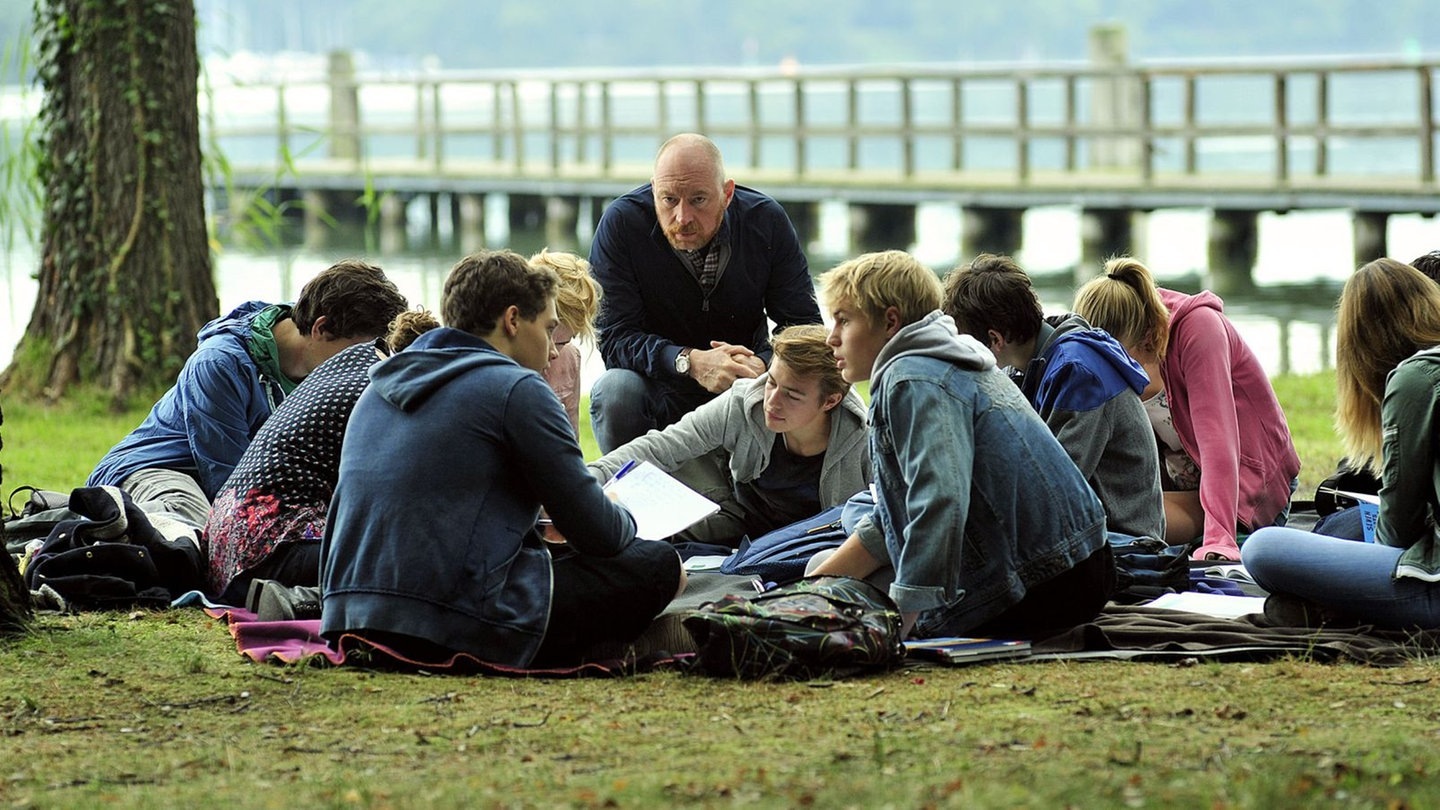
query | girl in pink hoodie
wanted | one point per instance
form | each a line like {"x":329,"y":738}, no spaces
{"x":1229,"y":463}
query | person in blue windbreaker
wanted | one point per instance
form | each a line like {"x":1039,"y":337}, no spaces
{"x":246,"y":363}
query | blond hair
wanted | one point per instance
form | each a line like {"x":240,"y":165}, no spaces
{"x":1125,"y":302}
{"x":874,"y":282}
{"x":1387,"y":312}
{"x":806,"y":352}
{"x":577,"y":298}
{"x":408,"y":325}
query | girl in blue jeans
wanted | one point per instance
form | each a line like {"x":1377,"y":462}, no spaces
{"x":1388,"y":373}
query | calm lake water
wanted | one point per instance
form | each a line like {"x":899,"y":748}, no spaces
{"x":1303,"y":259}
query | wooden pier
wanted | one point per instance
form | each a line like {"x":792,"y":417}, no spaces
{"x":1114,"y":139}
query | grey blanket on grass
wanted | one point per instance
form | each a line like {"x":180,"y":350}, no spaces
{"x":1152,"y":634}
{"x":1140,"y":633}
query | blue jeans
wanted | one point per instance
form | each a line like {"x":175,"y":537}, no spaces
{"x":1350,"y":578}
{"x":625,"y":404}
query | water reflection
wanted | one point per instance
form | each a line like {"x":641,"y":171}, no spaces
{"x":1289,"y":325}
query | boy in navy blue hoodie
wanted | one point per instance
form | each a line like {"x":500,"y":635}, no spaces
{"x":1078,"y":378}
{"x":432,"y":545}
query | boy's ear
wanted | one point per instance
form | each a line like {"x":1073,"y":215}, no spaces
{"x":892,"y":321}
{"x":320,"y":330}
{"x":831,"y":401}
{"x":510,"y":320}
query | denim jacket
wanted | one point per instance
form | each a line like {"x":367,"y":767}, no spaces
{"x":977,"y":501}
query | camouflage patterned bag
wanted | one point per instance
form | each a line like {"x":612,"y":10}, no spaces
{"x":816,"y":626}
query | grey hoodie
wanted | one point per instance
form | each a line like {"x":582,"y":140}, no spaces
{"x":735,"y":421}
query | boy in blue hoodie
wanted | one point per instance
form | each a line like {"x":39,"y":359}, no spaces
{"x":246,"y":363}
{"x":990,"y":528}
{"x":1078,"y":378}
{"x":432,"y":546}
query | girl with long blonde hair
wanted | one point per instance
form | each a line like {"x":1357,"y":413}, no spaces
{"x":1388,"y":378}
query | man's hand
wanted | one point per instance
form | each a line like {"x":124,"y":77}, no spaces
{"x":742,"y":355}
{"x":718,"y":367}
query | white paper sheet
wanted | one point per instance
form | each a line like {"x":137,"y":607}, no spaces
{"x":661,"y":504}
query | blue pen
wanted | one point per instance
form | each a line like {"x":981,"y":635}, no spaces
{"x":627,"y":467}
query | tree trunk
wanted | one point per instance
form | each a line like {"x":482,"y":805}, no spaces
{"x":125,"y":277}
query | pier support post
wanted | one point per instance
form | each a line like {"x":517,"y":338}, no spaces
{"x":990,"y":230}
{"x":469,"y":221}
{"x":561,"y":217}
{"x":1284,"y":322}
{"x":315,"y":207}
{"x":1105,"y":232}
{"x":432,"y":207}
{"x":1370,"y":239}
{"x":588,"y":219}
{"x":881,"y":226}
{"x":805,"y":216}
{"x":344,"y":107}
{"x":1116,"y":98}
{"x":392,"y":223}
{"x":1233,"y":244}
{"x":527,"y":212}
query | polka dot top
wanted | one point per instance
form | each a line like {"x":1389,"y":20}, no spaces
{"x":281,"y":488}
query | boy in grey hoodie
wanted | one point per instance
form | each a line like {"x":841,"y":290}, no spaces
{"x":990,"y":528}
{"x":1078,"y":378}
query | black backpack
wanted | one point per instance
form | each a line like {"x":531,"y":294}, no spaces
{"x":115,"y":555}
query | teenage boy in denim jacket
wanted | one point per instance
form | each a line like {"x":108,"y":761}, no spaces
{"x":990,"y":528}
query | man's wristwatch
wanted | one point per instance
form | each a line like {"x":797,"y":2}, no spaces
{"x":682,"y":362}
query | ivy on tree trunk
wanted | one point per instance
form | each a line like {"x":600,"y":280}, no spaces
{"x":125,"y":276}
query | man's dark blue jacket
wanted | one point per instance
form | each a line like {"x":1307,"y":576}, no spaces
{"x":653,"y":306}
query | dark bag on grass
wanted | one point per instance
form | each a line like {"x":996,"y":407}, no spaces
{"x":1147,"y":568}
{"x":780,"y":556}
{"x":116,"y":555}
{"x":817,"y":626}
{"x":37,"y":516}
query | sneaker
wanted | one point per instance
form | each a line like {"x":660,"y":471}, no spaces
{"x":252,"y":596}
{"x":1284,"y":610}
{"x":273,"y":602}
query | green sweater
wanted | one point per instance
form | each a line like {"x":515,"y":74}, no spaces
{"x":1410,"y":478}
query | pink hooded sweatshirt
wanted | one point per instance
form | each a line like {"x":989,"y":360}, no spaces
{"x":1228,"y":420}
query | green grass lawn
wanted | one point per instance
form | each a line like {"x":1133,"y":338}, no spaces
{"x":155,"y":709}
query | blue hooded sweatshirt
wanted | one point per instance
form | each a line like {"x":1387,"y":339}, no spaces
{"x":203,"y":424}
{"x":448,"y":457}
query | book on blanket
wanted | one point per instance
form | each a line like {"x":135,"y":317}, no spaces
{"x":659,"y":502}
{"x":1219,"y":605}
{"x":1369,"y":509}
{"x":958,"y":650}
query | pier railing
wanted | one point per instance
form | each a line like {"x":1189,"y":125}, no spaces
{"x":1328,"y":127}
